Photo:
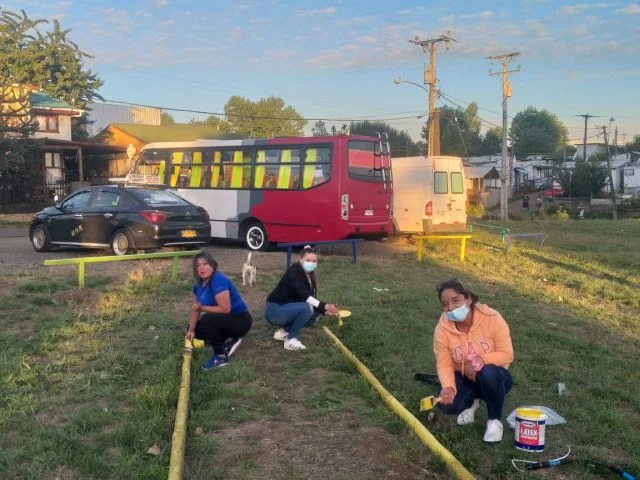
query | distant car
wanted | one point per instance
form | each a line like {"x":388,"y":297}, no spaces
{"x":553,"y":192}
{"x":120,"y":218}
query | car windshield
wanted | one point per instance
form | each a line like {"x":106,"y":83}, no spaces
{"x":157,"y":198}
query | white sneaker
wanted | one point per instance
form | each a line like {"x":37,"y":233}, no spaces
{"x":281,"y":334}
{"x":293,"y":344}
{"x":493,"y":433}
{"x":466,"y":417}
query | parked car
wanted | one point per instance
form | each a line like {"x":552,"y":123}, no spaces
{"x":120,"y":218}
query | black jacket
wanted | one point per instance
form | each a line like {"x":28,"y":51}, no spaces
{"x":294,"y":286}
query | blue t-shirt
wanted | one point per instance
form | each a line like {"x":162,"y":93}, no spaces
{"x":206,"y":294}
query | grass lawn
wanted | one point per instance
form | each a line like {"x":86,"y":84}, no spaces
{"x":89,"y":380}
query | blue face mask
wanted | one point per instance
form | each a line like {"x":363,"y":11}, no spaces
{"x":458,"y":314}
{"x":309,"y":266}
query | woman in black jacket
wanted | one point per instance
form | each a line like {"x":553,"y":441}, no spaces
{"x":293,"y":305}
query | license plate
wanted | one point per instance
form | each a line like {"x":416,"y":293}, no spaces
{"x":368,"y":213}
{"x":188,"y":233}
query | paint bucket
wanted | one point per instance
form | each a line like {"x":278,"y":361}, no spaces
{"x":530,"y":424}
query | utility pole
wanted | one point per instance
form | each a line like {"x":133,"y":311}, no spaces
{"x":430,"y":45}
{"x":505,"y":173}
{"x":610,"y":168}
{"x":586,"y":117}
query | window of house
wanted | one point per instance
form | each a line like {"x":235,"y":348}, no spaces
{"x":52,"y":160}
{"x":457,"y":183}
{"x":47,"y":123}
{"x":440,"y":182}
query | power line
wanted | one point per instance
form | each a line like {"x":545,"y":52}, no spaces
{"x":586,"y":117}
{"x":268,"y":117}
{"x":447,"y":98}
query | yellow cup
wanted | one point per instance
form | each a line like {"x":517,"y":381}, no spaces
{"x":197,"y":343}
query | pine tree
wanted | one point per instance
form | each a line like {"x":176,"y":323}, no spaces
{"x":17,"y":148}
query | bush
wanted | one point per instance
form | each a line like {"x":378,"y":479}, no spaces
{"x":552,"y":211}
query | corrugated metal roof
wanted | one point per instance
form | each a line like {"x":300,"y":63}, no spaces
{"x":486,"y":171}
{"x":170,"y":133}
{"x":101,"y":115}
{"x":39,"y":99}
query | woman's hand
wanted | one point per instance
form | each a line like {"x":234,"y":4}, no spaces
{"x":469,"y":371}
{"x":331,"y":309}
{"x":189,"y":335}
{"x":447,"y":395}
{"x":196,"y":307}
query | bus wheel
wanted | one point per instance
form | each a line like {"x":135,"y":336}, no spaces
{"x":256,"y":237}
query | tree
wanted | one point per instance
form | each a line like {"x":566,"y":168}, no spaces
{"x":459,"y":131}
{"x":51,"y":61}
{"x":587,"y":179}
{"x":319,"y":129}
{"x":634,"y":145}
{"x":166,"y":119}
{"x":400,"y":142}
{"x":17,"y":126}
{"x":492,"y":141}
{"x":536,"y":131}
{"x":213,"y":121}
{"x":267,"y":117}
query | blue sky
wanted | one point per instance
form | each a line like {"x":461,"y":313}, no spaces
{"x":338,"y":59}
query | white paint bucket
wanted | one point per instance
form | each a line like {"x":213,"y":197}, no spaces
{"x":530,"y":424}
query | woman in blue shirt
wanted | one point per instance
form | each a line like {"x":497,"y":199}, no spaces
{"x":218,"y":314}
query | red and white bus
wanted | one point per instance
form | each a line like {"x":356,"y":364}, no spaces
{"x":293,"y":189}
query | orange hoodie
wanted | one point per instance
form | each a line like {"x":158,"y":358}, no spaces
{"x":489,"y":337}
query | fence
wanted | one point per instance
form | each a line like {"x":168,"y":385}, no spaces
{"x":23,"y":196}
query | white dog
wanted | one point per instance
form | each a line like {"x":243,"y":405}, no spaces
{"x":249,"y":270}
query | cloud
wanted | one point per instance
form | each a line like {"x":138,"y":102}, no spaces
{"x":319,"y":11}
{"x":367,"y":39}
{"x":243,"y":6}
{"x":485,"y":14}
{"x":64,"y":4}
{"x":58,"y":16}
{"x":236,"y":32}
{"x":404,"y":12}
{"x":573,"y":9}
{"x":606,"y":4}
{"x":161,"y":3}
{"x":447,"y":18}
{"x":166,"y":23}
{"x":579,"y":30}
{"x":525,"y":2}
{"x":631,"y":9}
{"x":513,"y":30}
{"x":142,"y":13}
{"x":346,"y":22}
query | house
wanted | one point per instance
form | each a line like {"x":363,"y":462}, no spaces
{"x":101,"y":115}
{"x":135,"y":136}
{"x":482,"y":184}
{"x":62,"y":160}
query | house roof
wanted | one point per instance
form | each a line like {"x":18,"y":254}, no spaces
{"x":486,"y":171}
{"x":40,"y":100}
{"x":170,"y":133}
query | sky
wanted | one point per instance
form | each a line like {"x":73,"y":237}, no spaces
{"x":338,"y":59}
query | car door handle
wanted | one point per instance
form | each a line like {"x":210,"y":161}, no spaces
{"x":108,"y":215}
{"x":77,"y":215}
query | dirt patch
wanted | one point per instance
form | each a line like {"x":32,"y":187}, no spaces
{"x":303,"y":449}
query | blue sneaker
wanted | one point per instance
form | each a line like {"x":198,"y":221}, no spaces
{"x":215,"y":362}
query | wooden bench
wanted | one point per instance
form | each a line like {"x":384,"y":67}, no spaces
{"x":503,"y":230}
{"x":538,"y":236}
{"x":289,"y":246}
{"x":463,"y":242}
{"x":141,"y":256}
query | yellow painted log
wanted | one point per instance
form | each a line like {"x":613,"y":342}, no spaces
{"x":457,"y":469}
{"x":179,"y":438}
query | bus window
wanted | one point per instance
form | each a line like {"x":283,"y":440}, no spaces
{"x":234,"y":171}
{"x":317,"y":168}
{"x":362,"y":162}
{"x":176,"y":167}
{"x":440,"y":182}
{"x":278,"y":169}
{"x":456,"y":182}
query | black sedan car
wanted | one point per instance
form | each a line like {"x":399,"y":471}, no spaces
{"x":121,"y":218}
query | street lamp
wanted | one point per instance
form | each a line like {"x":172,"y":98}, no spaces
{"x":399,"y":81}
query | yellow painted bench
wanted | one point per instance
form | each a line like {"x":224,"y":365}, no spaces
{"x":463,"y":243}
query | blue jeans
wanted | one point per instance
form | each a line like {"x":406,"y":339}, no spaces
{"x":291,"y":316}
{"x":492,"y":385}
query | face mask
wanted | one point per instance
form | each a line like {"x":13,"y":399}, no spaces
{"x":309,"y":266}
{"x":458,"y":314}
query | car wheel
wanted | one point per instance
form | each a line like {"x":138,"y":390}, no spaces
{"x":256,"y":237}
{"x":121,"y":243}
{"x":40,"y":238}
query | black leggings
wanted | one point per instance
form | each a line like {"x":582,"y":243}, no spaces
{"x":215,"y":328}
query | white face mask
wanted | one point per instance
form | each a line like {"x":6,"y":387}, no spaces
{"x":309,"y":266}
{"x":458,"y":314}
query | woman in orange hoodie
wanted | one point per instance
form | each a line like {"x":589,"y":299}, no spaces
{"x":473,"y":350}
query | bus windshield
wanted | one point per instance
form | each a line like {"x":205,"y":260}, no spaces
{"x":364,"y":164}
{"x":148,"y":168}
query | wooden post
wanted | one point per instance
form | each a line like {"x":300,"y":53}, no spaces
{"x":80,"y":166}
{"x":81,"y":274}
